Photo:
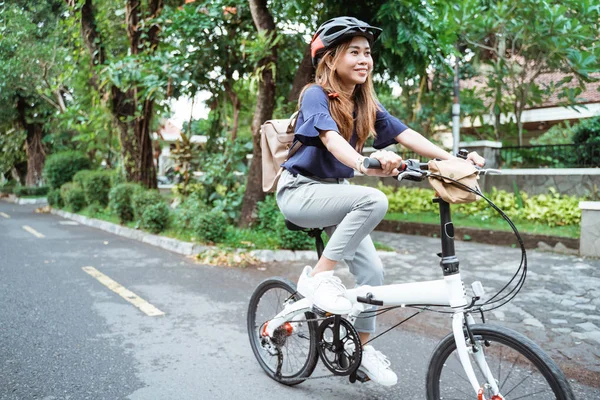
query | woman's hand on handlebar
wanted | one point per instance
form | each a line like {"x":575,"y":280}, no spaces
{"x":476,"y":159}
{"x":390,"y":164}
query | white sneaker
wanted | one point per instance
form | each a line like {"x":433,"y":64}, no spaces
{"x":377,"y":367}
{"x":325,"y":290}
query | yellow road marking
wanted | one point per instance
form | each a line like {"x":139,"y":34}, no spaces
{"x":128,"y":295}
{"x":33,"y":231}
{"x":4,"y":215}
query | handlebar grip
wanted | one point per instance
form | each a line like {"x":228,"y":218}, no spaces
{"x":374,"y":163}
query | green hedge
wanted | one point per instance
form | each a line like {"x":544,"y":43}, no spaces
{"x":73,"y":196}
{"x":155,"y":217}
{"x":142,"y":200}
{"x":120,"y":200}
{"x":271,"y":220}
{"x":22,"y":191}
{"x":7,"y":188}
{"x":55,"y":199}
{"x":61,"y":167}
{"x":210,"y":226}
{"x":552,"y":208}
{"x":188,"y":210}
{"x":95,"y":184}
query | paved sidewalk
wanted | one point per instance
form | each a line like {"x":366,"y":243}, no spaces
{"x":557,"y":307}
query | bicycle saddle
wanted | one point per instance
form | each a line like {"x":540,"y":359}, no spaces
{"x":293,"y":227}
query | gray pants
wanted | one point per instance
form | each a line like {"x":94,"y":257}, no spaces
{"x":349,"y":214}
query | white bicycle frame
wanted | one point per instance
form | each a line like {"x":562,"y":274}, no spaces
{"x":449,"y":291}
{"x":444,"y":292}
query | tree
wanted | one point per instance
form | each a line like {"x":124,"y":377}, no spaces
{"x":265,"y":104}
{"x":521,"y":40}
{"x":117,"y":75}
{"x":224,"y":33}
{"x":31,"y":90}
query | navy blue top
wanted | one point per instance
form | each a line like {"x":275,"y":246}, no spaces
{"x":313,"y":158}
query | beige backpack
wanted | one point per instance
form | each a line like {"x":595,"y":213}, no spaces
{"x":277,"y":145}
{"x":460,"y":171}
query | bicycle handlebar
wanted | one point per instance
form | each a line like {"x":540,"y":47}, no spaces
{"x":415,"y":170}
{"x":410,"y":169}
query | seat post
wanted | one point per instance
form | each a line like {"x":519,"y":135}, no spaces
{"x":316,"y":233}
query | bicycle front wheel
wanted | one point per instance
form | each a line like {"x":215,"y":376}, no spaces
{"x":295,"y":342}
{"x":520,"y":368}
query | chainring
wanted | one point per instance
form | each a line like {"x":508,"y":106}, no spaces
{"x":341,"y":355}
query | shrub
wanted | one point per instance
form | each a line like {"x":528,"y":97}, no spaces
{"x":155,"y":217}
{"x":293,"y":240}
{"x":552,"y":208}
{"x":61,"y":167}
{"x":188,"y":210}
{"x":588,"y":132}
{"x":73,"y":196}
{"x":80,"y":177}
{"x":268,"y":213}
{"x":55,"y":199}
{"x":271,"y":220}
{"x":7,"y":188}
{"x":96,"y":186}
{"x":95,"y":209}
{"x":143,"y":199}
{"x":120,"y":200}
{"x":210,"y":226}
{"x":22,"y":191}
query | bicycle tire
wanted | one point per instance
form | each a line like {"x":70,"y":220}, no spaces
{"x":303,"y":341}
{"x":535,"y":368}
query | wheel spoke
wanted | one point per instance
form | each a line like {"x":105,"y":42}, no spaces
{"x":530,"y":394}
{"x":519,"y":384}
{"x":523,"y":370}
{"x":509,"y":371}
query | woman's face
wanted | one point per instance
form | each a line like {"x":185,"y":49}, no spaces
{"x":355,"y":64}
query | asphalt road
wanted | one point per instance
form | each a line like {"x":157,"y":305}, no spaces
{"x":65,"y":335}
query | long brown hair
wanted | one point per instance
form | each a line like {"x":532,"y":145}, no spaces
{"x":342,"y":105}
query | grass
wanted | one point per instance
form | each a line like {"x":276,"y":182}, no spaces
{"x":496,"y":224}
{"x":237,"y":238}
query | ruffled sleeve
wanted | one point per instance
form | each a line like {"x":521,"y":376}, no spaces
{"x":314,"y":117}
{"x":387,"y":128}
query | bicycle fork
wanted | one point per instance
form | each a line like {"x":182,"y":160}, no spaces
{"x":459,"y":321}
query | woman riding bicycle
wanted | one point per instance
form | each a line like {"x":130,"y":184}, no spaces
{"x":338,"y":113}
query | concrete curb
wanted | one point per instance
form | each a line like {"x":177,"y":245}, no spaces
{"x":187,"y":248}
{"x":17,"y":200}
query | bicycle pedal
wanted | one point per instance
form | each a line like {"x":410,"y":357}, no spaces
{"x":359,"y":376}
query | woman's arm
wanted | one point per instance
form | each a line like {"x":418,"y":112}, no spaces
{"x":419,"y":144}
{"x":347,"y":155}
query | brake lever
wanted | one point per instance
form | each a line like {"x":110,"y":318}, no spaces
{"x":412,"y":175}
{"x":490,"y":171}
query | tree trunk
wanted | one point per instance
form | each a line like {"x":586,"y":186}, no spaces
{"x":133,"y":125}
{"x":235,"y":103}
{"x":265,"y":103}
{"x":134,"y":131}
{"x":36,"y":155}
{"x":304,"y":75}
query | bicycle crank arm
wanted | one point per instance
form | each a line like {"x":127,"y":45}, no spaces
{"x":289,"y":312}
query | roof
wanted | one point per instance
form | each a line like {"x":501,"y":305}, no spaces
{"x":591,"y":94}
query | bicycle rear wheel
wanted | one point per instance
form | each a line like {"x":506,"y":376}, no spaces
{"x":520,"y":367}
{"x":297,"y":345}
